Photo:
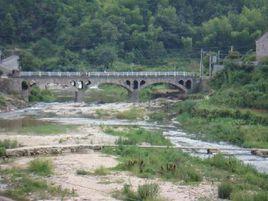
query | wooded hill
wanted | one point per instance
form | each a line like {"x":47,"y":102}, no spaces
{"x":93,"y":34}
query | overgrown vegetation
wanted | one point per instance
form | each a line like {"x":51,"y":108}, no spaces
{"x":106,"y":94}
{"x":94,"y":35}
{"x":22,"y":184}
{"x":239,"y":117}
{"x":38,"y":95}
{"x":2,"y":101}
{"x":131,"y":114}
{"x":168,"y":164}
{"x":146,"y":192}
{"x":135,"y":136}
{"x":41,"y":167}
{"x":7,"y":144}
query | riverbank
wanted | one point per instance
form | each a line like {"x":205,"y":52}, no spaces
{"x":104,"y":175}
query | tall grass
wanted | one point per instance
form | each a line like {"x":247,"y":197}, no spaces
{"x":22,"y":185}
{"x":168,"y":164}
{"x":146,"y":192}
{"x":41,"y":167}
{"x":7,"y":144}
{"x":138,"y":136}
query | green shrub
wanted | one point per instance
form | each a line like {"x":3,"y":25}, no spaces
{"x":148,"y":191}
{"x":131,"y":114}
{"x":42,"y":167}
{"x":82,"y":172}
{"x":250,"y":196}
{"x":2,"y":101}
{"x":37,"y":95}
{"x":169,"y":164}
{"x":7,"y":144}
{"x":158,"y":116}
{"x":225,"y":190}
{"x":138,"y":136}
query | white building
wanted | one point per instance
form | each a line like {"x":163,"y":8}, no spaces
{"x":262,"y":47}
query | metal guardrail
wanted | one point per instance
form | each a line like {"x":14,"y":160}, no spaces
{"x":106,"y":74}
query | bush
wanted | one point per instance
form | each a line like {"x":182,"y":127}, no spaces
{"x":7,"y":144}
{"x":42,"y":167}
{"x":148,"y":191}
{"x":41,"y":95}
{"x":250,"y":196}
{"x":225,"y":190}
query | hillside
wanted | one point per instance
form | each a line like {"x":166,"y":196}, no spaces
{"x":120,"y":34}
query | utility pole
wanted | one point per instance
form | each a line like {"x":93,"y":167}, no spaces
{"x":210,"y":65}
{"x":201,"y":63}
{"x":219,"y":56}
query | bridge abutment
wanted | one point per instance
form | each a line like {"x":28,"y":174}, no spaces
{"x":134,"y":96}
{"x":79,"y":96}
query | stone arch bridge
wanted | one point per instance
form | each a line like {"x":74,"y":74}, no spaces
{"x":132,"y":81}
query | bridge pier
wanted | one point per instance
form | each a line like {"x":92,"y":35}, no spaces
{"x":134,"y":96}
{"x":79,"y":96}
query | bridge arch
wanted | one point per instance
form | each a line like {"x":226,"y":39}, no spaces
{"x":125,"y":86}
{"x":180,"y":87}
{"x":188,"y":84}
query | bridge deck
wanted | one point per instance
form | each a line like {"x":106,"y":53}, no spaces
{"x":107,"y":74}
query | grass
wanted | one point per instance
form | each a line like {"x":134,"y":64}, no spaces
{"x":2,"y":101}
{"x":41,"y":167}
{"x":101,"y":171}
{"x":22,"y":184}
{"x":149,"y":163}
{"x":208,"y":122}
{"x":176,"y":166}
{"x":134,"y":136}
{"x":146,"y":192}
{"x":7,"y":144}
{"x":46,"y":129}
{"x":131,"y":114}
{"x":107,"y":94}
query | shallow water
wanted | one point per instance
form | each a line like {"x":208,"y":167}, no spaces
{"x":178,"y":137}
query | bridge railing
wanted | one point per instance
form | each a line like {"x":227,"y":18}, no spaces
{"x":108,"y":74}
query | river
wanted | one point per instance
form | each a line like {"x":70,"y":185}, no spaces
{"x":81,"y":114}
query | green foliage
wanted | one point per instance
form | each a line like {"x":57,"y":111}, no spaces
{"x":7,"y":144}
{"x":22,"y":184}
{"x":241,"y":86}
{"x":92,"y":35}
{"x":168,"y":164}
{"x":2,"y":101}
{"x":138,"y":135}
{"x":41,"y":167}
{"x":225,"y":190}
{"x":146,"y":192}
{"x":249,"y":196}
{"x":41,"y":95}
{"x":131,"y":114}
{"x":107,"y":93}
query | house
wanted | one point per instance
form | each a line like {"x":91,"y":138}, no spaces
{"x":9,"y":64}
{"x":262,"y":47}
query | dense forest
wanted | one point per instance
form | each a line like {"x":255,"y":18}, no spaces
{"x":94,"y":34}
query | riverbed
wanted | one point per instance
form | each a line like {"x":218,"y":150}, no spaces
{"x":88,"y":131}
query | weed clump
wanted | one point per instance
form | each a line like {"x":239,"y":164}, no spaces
{"x":7,"y":144}
{"x":41,"y":167}
{"x":224,"y":190}
{"x":146,"y":192}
